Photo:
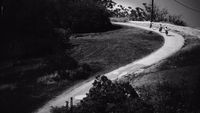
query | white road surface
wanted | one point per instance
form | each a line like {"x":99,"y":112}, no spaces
{"x":172,"y":44}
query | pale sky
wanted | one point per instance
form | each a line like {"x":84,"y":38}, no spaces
{"x":191,"y":17}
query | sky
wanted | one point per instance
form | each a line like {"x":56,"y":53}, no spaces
{"x":191,"y":17}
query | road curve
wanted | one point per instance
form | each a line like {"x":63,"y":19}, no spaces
{"x":172,"y":44}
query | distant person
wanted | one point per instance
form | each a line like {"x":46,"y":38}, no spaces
{"x":160,"y":28}
{"x":151,"y":24}
{"x":166,"y":30}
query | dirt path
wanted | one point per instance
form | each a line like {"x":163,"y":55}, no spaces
{"x":172,"y":44}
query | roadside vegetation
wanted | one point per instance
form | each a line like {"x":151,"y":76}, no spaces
{"x":107,"y":96}
{"x":123,"y":14}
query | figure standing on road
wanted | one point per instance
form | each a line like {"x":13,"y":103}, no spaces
{"x":160,"y":28}
{"x":151,"y":24}
{"x":166,"y":30}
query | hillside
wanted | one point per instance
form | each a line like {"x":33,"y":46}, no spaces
{"x":173,"y":82}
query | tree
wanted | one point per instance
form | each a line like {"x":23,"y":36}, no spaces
{"x":108,"y":4}
{"x":144,"y":14}
{"x":120,"y":11}
{"x":162,"y":15}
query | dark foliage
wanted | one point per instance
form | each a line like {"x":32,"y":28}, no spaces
{"x":161,"y":15}
{"x":27,"y":31}
{"x":27,"y":23}
{"x":83,"y":15}
{"x":108,"y":97}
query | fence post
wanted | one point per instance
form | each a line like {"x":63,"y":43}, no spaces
{"x":71,"y":104}
{"x":67,"y":104}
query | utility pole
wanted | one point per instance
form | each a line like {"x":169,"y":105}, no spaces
{"x":152,"y":13}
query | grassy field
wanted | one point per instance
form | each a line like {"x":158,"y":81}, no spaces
{"x":110,"y":50}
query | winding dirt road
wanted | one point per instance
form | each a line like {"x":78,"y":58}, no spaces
{"x":172,"y":43}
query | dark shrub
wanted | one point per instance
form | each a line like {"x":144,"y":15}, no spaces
{"x":108,"y":97}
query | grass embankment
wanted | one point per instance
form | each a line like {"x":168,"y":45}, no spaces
{"x":172,"y":85}
{"x":110,"y":50}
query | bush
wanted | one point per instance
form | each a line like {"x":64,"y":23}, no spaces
{"x":106,"y":97}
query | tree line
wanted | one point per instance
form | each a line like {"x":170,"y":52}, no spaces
{"x":144,"y":14}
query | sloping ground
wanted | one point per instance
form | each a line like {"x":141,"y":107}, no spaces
{"x":110,"y":50}
{"x":172,"y":44}
{"x":174,"y":81}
